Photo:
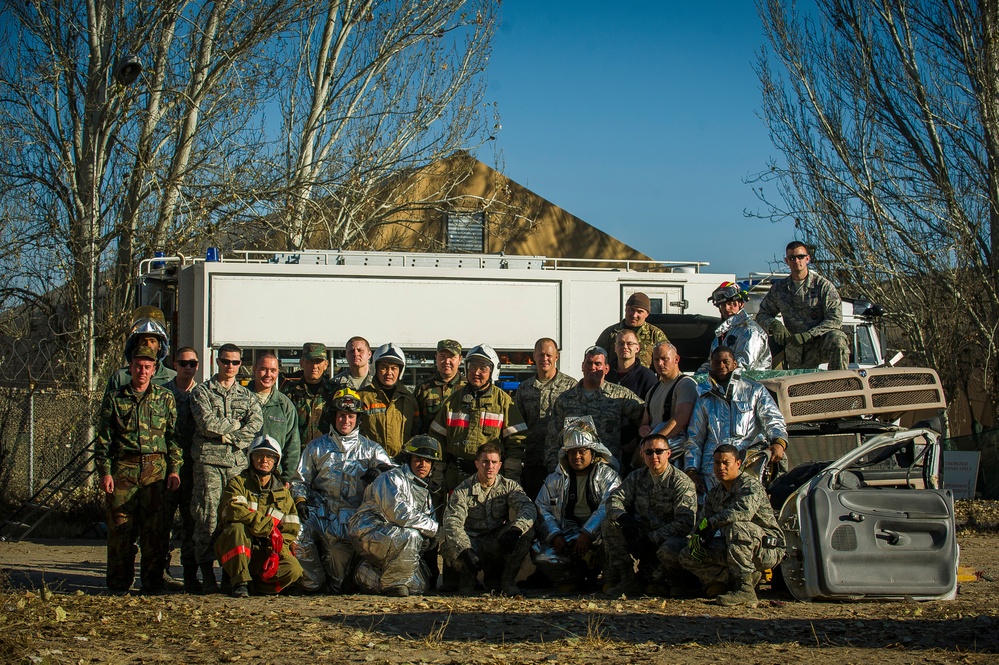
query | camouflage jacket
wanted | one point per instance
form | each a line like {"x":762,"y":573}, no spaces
{"x":611,"y":407}
{"x":431,"y":395}
{"x":664,"y":504}
{"x":227,"y":421}
{"x":471,"y":417}
{"x":185,"y":417}
{"x":310,"y":405}
{"x":389,"y":421}
{"x":122,"y":377}
{"x":536,"y":402}
{"x":747,"y":501}
{"x":343,"y":379}
{"x":648,"y":337}
{"x":474,"y":510}
{"x":816,"y":308}
{"x":137,"y":424}
{"x":281,"y":422}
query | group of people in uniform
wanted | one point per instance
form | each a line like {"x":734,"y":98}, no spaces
{"x":628,"y":480}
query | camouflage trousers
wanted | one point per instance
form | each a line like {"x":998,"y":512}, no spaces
{"x":179,"y":500}
{"x":738,"y":553}
{"x":496,"y":563}
{"x":832,"y":347}
{"x":621,"y":556}
{"x":208,"y":483}
{"x":242,"y":557}
{"x":135,"y":511}
{"x":392,"y":557}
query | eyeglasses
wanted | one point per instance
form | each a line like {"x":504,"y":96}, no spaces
{"x":186,"y":363}
{"x":655,"y":451}
{"x":796,"y":257}
{"x":230,"y":363}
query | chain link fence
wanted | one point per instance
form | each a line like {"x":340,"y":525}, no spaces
{"x":40,"y":432}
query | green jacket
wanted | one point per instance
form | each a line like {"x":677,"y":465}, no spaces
{"x":391,"y":421}
{"x":137,"y":424}
{"x":281,"y":422}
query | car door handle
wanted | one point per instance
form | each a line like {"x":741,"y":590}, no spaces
{"x":891,"y":536}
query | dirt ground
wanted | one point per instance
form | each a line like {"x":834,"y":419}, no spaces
{"x":54,"y":611}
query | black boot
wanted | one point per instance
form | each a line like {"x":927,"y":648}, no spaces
{"x":208,"y":583}
{"x":191,"y":583}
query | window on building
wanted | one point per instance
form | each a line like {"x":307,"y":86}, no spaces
{"x":466,"y":231}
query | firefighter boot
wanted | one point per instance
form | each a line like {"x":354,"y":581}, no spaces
{"x":208,"y":583}
{"x":742,"y":593}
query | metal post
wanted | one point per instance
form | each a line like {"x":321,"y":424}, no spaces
{"x":31,"y":443}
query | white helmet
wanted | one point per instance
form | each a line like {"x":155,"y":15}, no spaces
{"x":390,"y":352}
{"x":266,"y":444}
{"x":484,"y":351}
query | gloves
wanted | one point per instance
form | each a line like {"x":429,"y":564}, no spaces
{"x":369,"y":476}
{"x":800,"y":339}
{"x":630,"y":527}
{"x":302,"y":508}
{"x":277,"y":540}
{"x":470,"y":561}
{"x":696,"y":546}
{"x":509,"y":539}
{"x":703,"y":531}
{"x":779,"y":333}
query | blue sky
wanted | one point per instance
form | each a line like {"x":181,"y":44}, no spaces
{"x":640,"y":118}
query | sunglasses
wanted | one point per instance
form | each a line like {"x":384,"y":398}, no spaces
{"x":655,"y":451}
{"x":796,"y":257}
{"x":230,"y":363}
{"x":186,"y":363}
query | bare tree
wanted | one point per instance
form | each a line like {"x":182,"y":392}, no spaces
{"x":379,"y":87}
{"x":887,"y":115}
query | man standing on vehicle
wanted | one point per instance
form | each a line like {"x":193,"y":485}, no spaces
{"x":813,"y":315}
{"x":535,"y":398}
{"x":391,"y":413}
{"x":312,"y":392}
{"x":357,"y":374}
{"x":737,"y":330}
{"x":279,"y":414}
{"x":736,"y":537}
{"x":610,"y":405}
{"x":431,"y":394}
{"x":479,"y":413}
{"x":670,"y":403}
{"x":636,"y":310}
{"x":185,"y":363}
{"x":730,"y":410}
{"x":227,"y":418}
{"x":138,"y":459}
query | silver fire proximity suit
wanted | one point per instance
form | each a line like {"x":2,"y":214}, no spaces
{"x":748,"y":341}
{"x":329,"y":479}
{"x":391,"y":529}
{"x":557,"y":496}
{"x":742,"y":413}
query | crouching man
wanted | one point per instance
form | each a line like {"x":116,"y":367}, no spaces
{"x":329,"y":485}
{"x":648,"y":517}
{"x":736,"y":537}
{"x":396,"y":524}
{"x":257,"y":525}
{"x":571,"y":509}
{"x":488,"y":526}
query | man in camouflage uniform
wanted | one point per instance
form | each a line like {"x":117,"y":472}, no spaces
{"x":736,"y":537}
{"x":648,"y":517}
{"x":488,"y":526}
{"x":811,"y":332}
{"x":431,"y":394}
{"x":148,"y":329}
{"x":479,"y":413}
{"x":636,"y":310}
{"x":535,"y":398}
{"x":138,"y":459}
{"x":311,"y":393}
{"x":227,"y":417}
{"x":185,"y":363}
{"x":610,"y":405}
{"x":279,"y":414}
{"x":357,"y":374}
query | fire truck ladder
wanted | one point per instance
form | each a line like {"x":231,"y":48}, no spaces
{"x":52,"y":495}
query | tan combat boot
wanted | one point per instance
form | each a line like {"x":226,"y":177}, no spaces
{"x":743,"y":593}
